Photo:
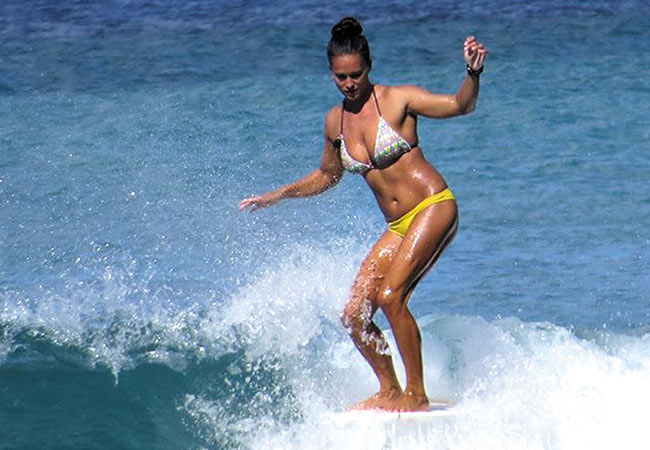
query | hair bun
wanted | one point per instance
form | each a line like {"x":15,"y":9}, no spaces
{"x":348,"y":39}
{"x":347,"y":28}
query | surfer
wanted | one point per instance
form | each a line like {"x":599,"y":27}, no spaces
{"x":373,"y":132}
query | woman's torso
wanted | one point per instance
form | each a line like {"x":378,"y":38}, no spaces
{"x":398,"y":184}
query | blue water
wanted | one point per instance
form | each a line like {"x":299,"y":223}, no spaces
{"x":140,"y":310}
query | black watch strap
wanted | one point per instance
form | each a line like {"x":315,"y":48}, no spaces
{"x":474,"y":73}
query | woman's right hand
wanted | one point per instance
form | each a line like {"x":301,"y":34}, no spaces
{"x":259,"y":201}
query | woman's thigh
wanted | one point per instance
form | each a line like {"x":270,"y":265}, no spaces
{"x":427,"y":237}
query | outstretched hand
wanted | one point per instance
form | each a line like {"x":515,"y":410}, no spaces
{"x":257,"y":202}
{"x":474,"y":53}
{"x":251,"y":203}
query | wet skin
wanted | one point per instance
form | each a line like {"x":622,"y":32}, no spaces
{"x":395,"y":264}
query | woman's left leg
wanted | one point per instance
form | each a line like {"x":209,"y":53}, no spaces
{"x":427,"y":237}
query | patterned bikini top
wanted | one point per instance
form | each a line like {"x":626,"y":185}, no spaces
{"x":389,"y":147}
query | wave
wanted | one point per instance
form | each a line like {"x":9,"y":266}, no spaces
{"x":266,"y":367}
{"x":516,"y":384}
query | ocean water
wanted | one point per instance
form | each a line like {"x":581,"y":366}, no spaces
{"x":139,"y":309}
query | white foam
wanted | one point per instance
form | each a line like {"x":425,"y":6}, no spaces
{"x":286,"y":306}
{"x":109,"y":321}
{"x":519,"y":385}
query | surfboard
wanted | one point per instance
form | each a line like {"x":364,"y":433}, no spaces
{"x":436,"y":411}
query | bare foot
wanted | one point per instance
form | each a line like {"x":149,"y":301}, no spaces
{"x":407,"y":402}
{"x":380,"y":400}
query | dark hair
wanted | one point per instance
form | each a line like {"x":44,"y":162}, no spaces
{"x":348,"y":39}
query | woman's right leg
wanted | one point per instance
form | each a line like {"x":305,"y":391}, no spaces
{"x":358,"y":314}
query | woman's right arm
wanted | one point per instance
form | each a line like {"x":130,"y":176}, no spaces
{"x":327,"y":175}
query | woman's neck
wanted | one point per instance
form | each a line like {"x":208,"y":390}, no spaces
{"x":355,"y":106}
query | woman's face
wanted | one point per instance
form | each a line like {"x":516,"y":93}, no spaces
{"x":350,"y":74}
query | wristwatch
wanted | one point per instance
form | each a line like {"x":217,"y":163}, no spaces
{"x":474,"y":73}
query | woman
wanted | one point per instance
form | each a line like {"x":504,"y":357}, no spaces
{"x":374,"y":133}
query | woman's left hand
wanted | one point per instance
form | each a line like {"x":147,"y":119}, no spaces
{"x":474,"y":53}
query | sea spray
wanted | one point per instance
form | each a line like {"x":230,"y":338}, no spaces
{"x":517,"y":385}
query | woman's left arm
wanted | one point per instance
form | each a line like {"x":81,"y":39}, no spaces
{"x":422,"y":102}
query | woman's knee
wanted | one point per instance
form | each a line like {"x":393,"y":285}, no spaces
{"x":356,"y":316}
{"x":390,"y":300}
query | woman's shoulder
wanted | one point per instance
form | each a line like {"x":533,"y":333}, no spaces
{"x":333,"y":120}
{"x":397,"y":98}
{"x":333,"y":116}
{"x":334,"y":111}
{"x":398,"y":91}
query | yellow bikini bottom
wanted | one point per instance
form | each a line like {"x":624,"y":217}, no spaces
{"x":400,"y":226}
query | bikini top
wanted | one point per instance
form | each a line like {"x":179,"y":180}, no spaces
{"x":389,"y":147}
